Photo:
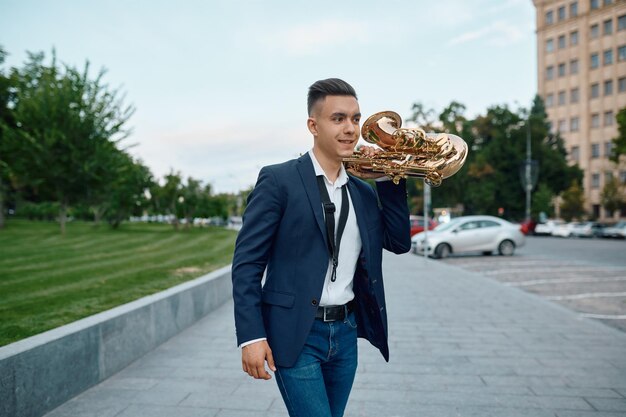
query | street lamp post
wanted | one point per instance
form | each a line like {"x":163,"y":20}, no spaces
{"x":426,"y":219}
{"x":529,"y":182}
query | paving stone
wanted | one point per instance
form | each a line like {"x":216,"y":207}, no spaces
{"x":608,"y":404}
{"x":166,"y":411}
{"x":576,"y":392}
{"x":587,"y":414}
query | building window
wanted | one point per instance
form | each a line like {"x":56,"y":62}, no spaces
{"x":595,"y":150}
{"x":608,"y":118}
{"x":549,"y":45}
{"x":562,"y":42}
{"x":595,"y":180}
{"x":549,"y":17}
{"x":595,"y":31}
{"x":573,"y":66}
{"x":573,"y":95}
{"x":608,"y":57}
{"x":595,"y":90}
{"x":573,"y":124}
{"x":608,"y":2}
{"x":561,"y":13}
{"x":594,"y":4}
{"x":550,"y":72}
{"x":561,"y":98}
{"x":573,"y":38}
{"x":608,"y":147}
{"x":595,"y":60}
{"x":621,"y":53}
{"x":573,"y":9}
{"x":562,"y":69}
{"x":608,"y":177}
{"x":595,"y":120}
{"x":575,"y":153}
{"x":608,"y":26}
{"x":622,"y":177}
{"x":608,"y":87}
{"x":562,"y":125}
{"x":621,"y":22}
{"x":549,"y":100}
{"x":621,"y":85}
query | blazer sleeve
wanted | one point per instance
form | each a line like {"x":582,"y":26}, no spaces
{"x":252,"y":249}
{"x":395,"y":216}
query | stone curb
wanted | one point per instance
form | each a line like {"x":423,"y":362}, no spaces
{"x":43,"y":371}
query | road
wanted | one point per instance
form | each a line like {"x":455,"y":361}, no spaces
{"x":585,"y":275}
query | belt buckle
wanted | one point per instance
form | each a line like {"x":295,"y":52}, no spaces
{"x":325,"y":321}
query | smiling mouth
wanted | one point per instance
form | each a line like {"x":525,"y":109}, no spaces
{"x":347,"y":141}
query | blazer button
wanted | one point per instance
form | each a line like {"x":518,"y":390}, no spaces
{"x":314,"y":302}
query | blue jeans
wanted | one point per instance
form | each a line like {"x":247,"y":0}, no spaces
{"x":319,"y":383}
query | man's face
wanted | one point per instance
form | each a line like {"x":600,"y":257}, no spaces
{"x":334,"y":123}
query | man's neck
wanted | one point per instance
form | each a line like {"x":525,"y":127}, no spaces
{"x":330,"y":166}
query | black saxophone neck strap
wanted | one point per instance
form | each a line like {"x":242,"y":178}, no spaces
{"x":329,"y":218}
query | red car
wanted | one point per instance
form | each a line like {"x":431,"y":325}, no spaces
{"x":417,"y":224}
{"x":528,"y":227}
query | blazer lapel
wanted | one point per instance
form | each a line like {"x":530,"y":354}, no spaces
{"x":359,"y":210}
{"x":307,"y":174}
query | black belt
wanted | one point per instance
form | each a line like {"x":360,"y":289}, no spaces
{"x":334,"y":313}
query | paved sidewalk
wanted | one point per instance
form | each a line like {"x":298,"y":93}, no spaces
{"x":461,"y":345}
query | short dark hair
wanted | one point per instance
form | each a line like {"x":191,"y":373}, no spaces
{"x":329,"y":87}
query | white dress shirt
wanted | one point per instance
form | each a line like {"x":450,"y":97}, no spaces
{"x":340,"y":292}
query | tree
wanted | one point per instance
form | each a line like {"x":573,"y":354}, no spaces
{"x":619,"y":142}
{"x":126,"y":194}
{"x":572,"y":206}
{"x":65,"y":125}
{"x":8,"y":150}
{"x":424,"y":118}
{"x":192,"y":195}
{"x":542,"y":201}
{"x":489,"y":181}
{"x":166,"y":197}
{"x":612,"y":197}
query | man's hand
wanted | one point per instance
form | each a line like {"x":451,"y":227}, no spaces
{"x":369,"y":152}
{"x":253,"y":359}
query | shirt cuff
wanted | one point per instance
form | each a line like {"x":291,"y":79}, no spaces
{"x":382,"y":179}
{"x":244,"y":344}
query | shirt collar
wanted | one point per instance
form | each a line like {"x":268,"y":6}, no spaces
{"x":341,"y":179}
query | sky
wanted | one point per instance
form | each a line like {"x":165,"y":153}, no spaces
{"x":220,"y":86}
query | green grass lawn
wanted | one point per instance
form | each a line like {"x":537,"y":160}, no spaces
{"x":47,"y":279}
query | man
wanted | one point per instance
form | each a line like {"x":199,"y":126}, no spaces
{"x":319,"y":294}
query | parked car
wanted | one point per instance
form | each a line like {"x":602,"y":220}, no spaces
{"x":484,"y":234}
{"x":587,"y":229}
{"x":548,"y":227}
{"x":528,"y":227}
{"x":618,"y":230}
{"x":417,"y":224}
{"x":563,"y":230}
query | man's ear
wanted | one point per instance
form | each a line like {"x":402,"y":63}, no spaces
{"x":312,"y":125}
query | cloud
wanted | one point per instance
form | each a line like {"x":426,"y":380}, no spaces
{"x":311,"y":38}
{"x":499,"y":33}
{"x":229,"y":157}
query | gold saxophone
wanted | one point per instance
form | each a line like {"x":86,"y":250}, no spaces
{"x":408,"y":152}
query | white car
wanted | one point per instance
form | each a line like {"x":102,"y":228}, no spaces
{"x":619,"y":230}
{"x":564,"y":230}
{"x":548,"y":227}
{"x":484,"y":234}
{"x":587,"y":229}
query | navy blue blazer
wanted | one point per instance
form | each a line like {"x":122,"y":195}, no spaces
{"x":284,"y":231}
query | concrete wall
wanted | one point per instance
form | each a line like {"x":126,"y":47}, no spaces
{"x":39,"y":373}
